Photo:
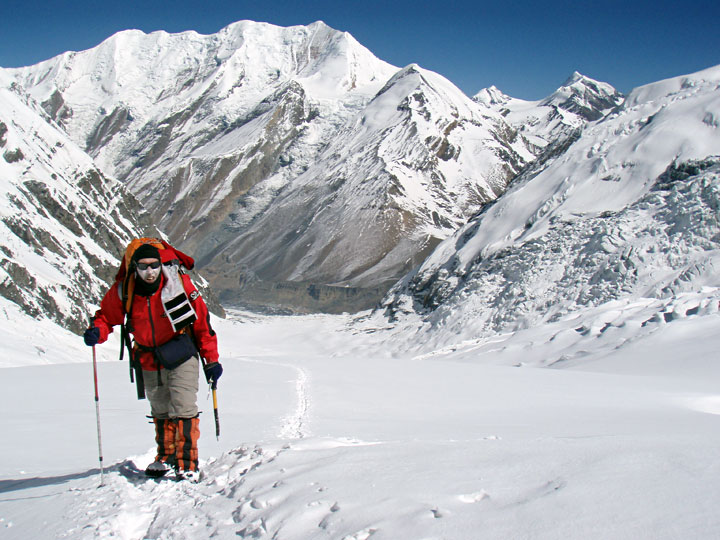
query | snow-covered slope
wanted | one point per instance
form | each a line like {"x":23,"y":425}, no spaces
{"x":63,"y":222}
{"x":629,"y":211}
{"x":290,"y":153}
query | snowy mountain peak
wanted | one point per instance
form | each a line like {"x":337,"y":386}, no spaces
{"x":407,"y":71}
{"x":153,"y":72}
{"x":411,"y":78}
{"x":548,"y":125}
{"x":491,"y":96}
{"x":424,"y":87}
{"x":585,"y":97}
{"x":574,"y":78}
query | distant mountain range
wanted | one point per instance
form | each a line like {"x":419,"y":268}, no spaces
{"x":300,"y":169}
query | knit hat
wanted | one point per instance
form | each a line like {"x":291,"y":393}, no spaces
{"x":146,"y":251}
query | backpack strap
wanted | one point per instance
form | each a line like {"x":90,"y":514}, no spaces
{"x":136,"y":373}
{"x":139,"y":378}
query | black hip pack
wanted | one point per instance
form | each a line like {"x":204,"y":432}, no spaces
{"x":176,"y":351}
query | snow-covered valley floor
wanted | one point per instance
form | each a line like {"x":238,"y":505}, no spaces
{"x":326,"y":434}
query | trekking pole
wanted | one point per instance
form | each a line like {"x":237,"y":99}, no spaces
{"x":97,"y":416}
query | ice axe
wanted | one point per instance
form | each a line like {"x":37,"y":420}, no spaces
{"x":213,"y":388}
{"x":215,"y":411}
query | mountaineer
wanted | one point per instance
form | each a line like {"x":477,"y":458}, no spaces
{"x":155,"y":301}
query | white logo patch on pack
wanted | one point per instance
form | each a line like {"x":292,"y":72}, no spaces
{"x":175,"y":300}
{"x":194,"y":295}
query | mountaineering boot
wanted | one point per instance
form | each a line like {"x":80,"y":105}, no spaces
{"x":165,"y":437}
{"x":158,"y":469}
{"x":186,"y":450}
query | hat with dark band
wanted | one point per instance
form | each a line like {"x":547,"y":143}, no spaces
{"x":146,"y":251}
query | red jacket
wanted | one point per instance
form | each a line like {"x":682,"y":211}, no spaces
{"x":149,"y":308}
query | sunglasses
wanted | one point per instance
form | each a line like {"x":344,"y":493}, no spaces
{"x":145,"y":266}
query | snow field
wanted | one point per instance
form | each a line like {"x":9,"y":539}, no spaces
{"x":321,"y":441}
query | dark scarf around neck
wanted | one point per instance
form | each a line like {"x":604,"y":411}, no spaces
{"x":143,"y":288}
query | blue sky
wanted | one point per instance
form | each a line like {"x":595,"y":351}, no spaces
{"x":527,"y":49}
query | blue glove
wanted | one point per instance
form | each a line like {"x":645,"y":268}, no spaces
{"x":213,"y":370}
{"x":91,"y":336}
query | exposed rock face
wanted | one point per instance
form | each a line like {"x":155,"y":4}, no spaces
{"x":107,"y":128}
{"x":12,"y":156}
{"x":64,"y":223}
{"x":56,"y":108}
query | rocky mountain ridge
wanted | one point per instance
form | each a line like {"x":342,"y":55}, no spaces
{"x":63,"y":221}
{"x":578,"y":101}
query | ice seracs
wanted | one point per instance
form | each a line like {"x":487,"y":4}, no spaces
{"x":626,"y":212}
